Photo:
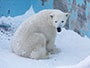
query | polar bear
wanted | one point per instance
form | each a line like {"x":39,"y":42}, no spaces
{"x":35,"y":38}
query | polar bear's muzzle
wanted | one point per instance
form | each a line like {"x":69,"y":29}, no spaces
{"x":58,"y":29}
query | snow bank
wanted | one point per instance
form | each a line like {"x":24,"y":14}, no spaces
{"x":74,"y":49}
{"x":16,"y":21}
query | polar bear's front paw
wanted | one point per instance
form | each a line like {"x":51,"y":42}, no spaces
{"x":55,"y":51}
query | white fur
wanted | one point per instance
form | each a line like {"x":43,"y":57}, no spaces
{"x":35,"y":37}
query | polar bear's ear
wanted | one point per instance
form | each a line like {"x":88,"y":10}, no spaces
{"x":51,"y":15}
{"x":67,"y":14}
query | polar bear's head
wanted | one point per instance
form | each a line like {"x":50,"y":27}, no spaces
{"x":59,"y":19}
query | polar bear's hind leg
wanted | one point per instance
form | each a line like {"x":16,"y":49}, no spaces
{"x":39,"y":52}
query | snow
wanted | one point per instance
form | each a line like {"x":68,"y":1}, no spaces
{"x":75,"y":50}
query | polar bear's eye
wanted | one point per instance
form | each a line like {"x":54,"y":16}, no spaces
{"x":55,"y":21}
{"x":66,"y":15}
{"x":62,"y":21}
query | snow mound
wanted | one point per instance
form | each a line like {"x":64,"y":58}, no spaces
{"x":74,"y":49}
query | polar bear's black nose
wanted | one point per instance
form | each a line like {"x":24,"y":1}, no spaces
{"x":58,"y":29}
